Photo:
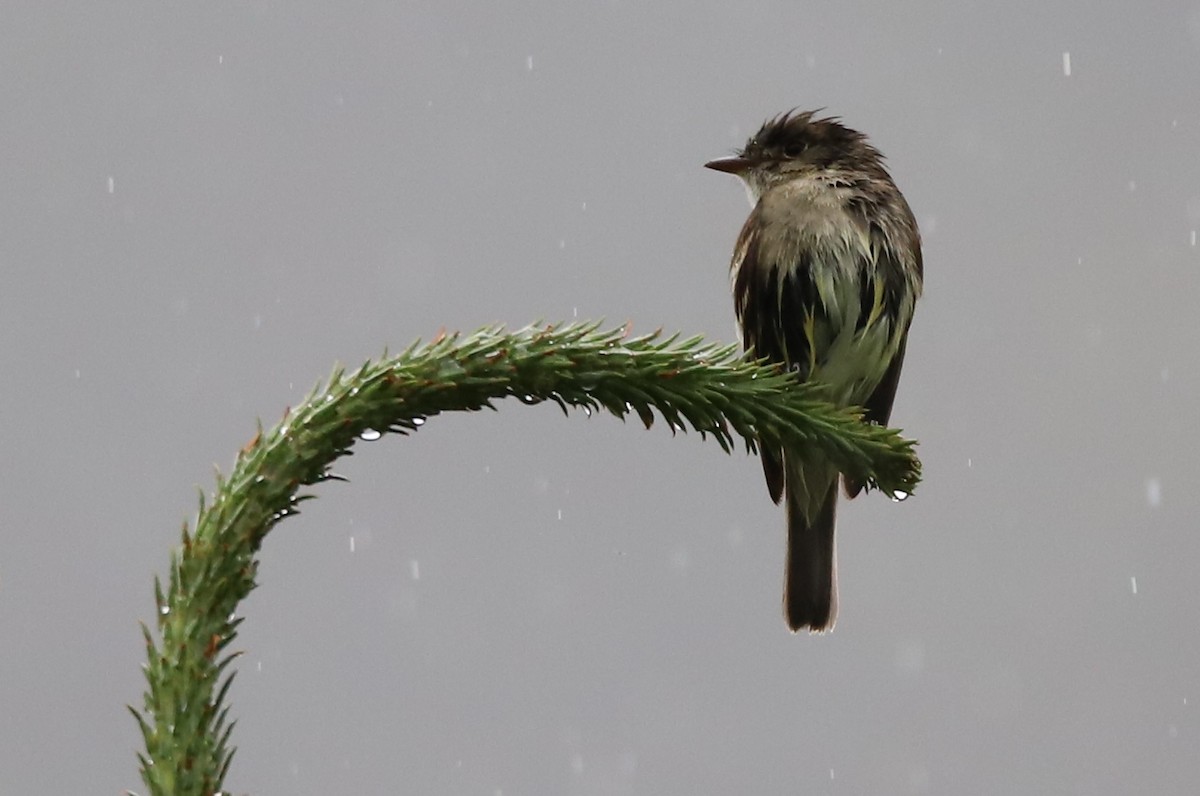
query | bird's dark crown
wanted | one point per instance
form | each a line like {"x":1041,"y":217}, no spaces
{"x":799,"y":135}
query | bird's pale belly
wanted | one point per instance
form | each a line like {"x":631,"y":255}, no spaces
{"x":850,"y":353}
{"x":853,"y":364}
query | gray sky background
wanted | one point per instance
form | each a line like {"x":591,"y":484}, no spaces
{"x":204,"y":206}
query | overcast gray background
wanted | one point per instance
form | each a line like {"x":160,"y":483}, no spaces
{"x":204,"y":206}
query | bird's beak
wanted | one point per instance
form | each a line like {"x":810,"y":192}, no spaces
{"x":730,"y":165}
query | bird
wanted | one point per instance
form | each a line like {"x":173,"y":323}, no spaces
{"x":825,"y":275}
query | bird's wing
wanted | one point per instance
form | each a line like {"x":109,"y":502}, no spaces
{"x":778,"y":311}
{"x":882,"y":300}
{"x":878,"y":408}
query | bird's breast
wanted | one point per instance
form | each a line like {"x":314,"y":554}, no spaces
{"x":817,"y":257}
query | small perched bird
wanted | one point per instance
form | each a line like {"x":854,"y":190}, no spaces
{"x":825,"y":274}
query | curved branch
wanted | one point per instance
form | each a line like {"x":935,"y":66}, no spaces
{"x":709,"y":388}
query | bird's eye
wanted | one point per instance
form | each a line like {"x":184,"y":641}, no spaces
{"x":793,"y":150}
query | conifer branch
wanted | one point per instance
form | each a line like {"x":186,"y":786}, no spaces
{"x":690,"y":384}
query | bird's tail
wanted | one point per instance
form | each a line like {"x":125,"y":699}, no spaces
{"x":810,"y":586}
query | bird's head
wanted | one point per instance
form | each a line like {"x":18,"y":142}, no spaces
{"x":797,"y":144}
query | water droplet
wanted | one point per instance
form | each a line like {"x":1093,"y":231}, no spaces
{"x":351,"y":544}
{"x":560,"y":514}
{"x":587,"y":410}
{"x":164,"y":609}
{"x":1133,"y":584}
{"x":370,"y":435}
{"x":680,"y":559}
{"x":899,"y":496}
{"x":910,"y":657}
{"x":529,"y":62}
{"x":1066,"y":61}
{"x":112,"y":185}
{"x":418,"y":421}
{"x":1154,"y":492}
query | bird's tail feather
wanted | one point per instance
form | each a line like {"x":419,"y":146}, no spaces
{"x":810,"y":586}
